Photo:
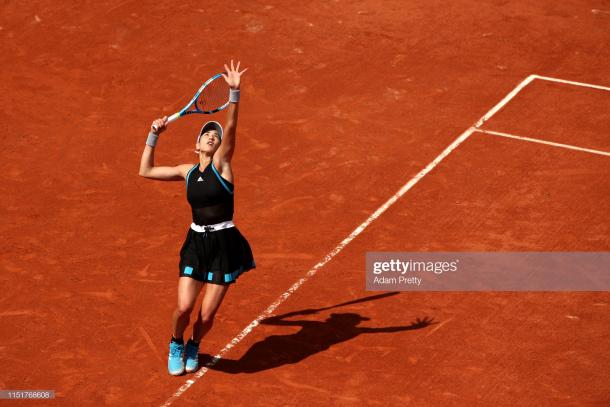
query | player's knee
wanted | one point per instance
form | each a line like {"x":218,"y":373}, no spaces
{"x":184,"y":309}
{"x":206,"y":318}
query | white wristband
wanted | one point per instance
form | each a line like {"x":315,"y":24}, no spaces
{"x":152,"y":139}
{"x":234,"y":95}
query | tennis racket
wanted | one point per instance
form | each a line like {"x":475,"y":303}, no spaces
{"x":212,"y":97}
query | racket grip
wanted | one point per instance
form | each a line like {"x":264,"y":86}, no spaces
{"x":169,"y":120}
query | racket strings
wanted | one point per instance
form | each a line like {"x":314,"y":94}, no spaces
{"x":213,"y":96}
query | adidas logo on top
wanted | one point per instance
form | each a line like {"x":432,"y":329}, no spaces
{"x":199,"y":179}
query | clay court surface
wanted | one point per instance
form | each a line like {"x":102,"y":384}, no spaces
{"x":343,"y":104}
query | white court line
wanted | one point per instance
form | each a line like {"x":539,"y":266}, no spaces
{"x":504,"y":101}
{"x":586,"y":85}
{"x":550,"y":143}
{"x":269,"y":311}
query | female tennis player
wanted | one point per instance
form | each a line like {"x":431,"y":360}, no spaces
{"x":214,"y":252}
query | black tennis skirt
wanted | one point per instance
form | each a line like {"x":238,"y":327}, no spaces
{"x":218,"y":257}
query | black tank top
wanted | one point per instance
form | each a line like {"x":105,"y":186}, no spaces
{"x":210,"y":195}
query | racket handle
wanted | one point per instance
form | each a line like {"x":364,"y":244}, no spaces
{"x":169,"y":120}
{"x":172,"y":118}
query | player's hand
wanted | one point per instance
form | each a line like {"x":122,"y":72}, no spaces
{"x":233,"y":76}
{"x":158,"y":126}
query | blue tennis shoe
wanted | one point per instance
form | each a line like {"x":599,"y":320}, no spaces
{"x":175,"y":364}
{"x":192,"y":356}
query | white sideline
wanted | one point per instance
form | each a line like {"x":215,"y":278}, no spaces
{"x":550,"y":143}
{"x":504,"y":101}
{"x":269,"y":311}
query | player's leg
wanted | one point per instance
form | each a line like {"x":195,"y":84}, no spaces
{"x":188,"y":290}
{"x":214,"y":294}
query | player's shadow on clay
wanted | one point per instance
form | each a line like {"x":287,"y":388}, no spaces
{"x":313,"y":337}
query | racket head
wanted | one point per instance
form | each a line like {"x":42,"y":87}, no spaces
{"x":213,"y":96}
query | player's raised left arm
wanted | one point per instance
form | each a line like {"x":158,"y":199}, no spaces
{"x":232,"y":76}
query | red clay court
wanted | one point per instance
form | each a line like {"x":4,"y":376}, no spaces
{"x":364,"y":126}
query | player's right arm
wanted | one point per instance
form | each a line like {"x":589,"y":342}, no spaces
{"x":147,"y":163}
